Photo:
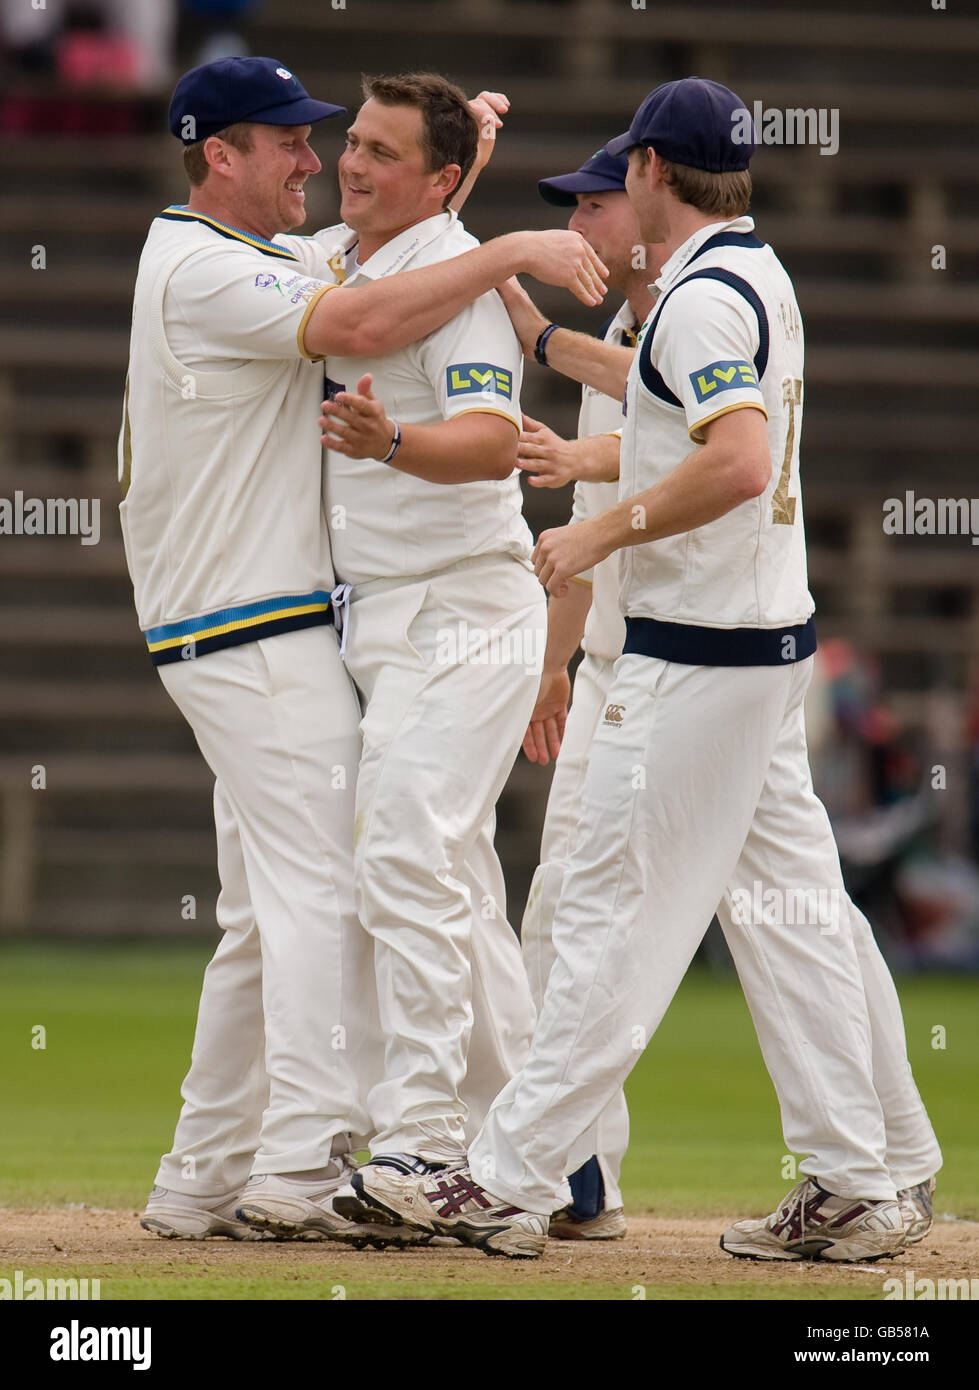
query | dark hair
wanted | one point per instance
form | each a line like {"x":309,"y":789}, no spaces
{"x":196,"y":166}
{"x":726,"y":195}
{"x":450,"y":131}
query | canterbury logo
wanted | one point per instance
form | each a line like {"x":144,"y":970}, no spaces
{"x":614,"y":713}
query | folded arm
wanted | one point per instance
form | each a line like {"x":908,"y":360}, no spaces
{"x":471,"y":447}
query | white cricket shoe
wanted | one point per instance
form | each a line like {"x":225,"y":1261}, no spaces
{"x":400,"y":1173}
{"x":917,"y":1210}
{"x":176,"y":1216}
{"x":295,"y":1208}
{"x":449,"y":1202}
{"x":607,"y":1225}
{"x":812,"y":1224}
{"x":367,"y":1227}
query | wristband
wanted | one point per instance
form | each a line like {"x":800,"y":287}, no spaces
{"x":395,"y":444}
{"x":541,"y":343}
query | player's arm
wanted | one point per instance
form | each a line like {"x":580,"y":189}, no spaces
{"x":565,"y":625}
{"x":577,"y":355}
{"x":471,"y":447}
{"x":551,"y":461}
{"x":390,"y":313}
{"x":731,"y":467}
{"x":489,"y":108}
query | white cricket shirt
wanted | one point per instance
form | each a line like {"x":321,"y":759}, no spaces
{"x":600,"y":414}
{"x":725,"y":334}
{"x":388,"y":524}
{"x":219,"y":453}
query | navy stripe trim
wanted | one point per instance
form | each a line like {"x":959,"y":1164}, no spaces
{"x":747,"y":240}
{"x":749,"y":292}
{"x":239,"y":636}
{"x":256,"y":243}
{"x":715,"y":646}
{"x":651,"y":378}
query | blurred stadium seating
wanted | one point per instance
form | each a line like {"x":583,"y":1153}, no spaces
{"x":121,"y":835}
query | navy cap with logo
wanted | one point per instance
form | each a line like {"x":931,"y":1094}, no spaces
{"x":693,"y":122}
{"x":602,"y":173}
{"x":216,"y":95}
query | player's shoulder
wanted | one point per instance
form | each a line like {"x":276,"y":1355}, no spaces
{"x":725,"y":290}
{"x":454,"y":240}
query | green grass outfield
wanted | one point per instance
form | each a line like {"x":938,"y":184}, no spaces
{"x":86,"y":1117}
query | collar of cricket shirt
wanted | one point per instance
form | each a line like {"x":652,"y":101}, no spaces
{"x":625,"y":322}
{"x":395,"y":254}
{"x":340,"y":244}
{"x":683,"y":254}
{"x":178,"y":213}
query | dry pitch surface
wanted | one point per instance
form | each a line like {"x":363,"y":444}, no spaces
{"x":659,"y":1258}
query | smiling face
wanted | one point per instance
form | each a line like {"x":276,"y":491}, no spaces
{"x":263,"y":187}
{"x":384,"y":184}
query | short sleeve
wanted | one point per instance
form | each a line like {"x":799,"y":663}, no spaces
{"x":233,"y":305}
{"x":474,"y":362}
{"x":704,"y":349}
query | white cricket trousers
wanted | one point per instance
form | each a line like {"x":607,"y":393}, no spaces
{"x":701,"y":788}
{"x":226,"y":1091}
{"x":448,"y":665}
{"x":610,"y":1137}
{"x":276,"y":721}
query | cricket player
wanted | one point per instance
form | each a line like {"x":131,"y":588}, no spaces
{"x":446,"y":629}
{"x":698,"y":782}
{"x":587,"y":614}
{"x":220,"y":464}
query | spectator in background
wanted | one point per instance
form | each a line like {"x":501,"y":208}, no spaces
{"x":972,"y":744}
{"x":897,"y":846}
{"x":121,"y":44}
{"x":211,"y":29}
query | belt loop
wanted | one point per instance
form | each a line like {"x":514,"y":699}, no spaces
{"x":340,"y":602}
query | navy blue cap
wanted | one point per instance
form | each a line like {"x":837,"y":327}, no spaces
{"x":216,"y":95}
{"x":692,"y":122}
{"x":603,"y":173}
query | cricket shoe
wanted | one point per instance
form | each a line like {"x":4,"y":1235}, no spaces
{"x":365,"y":1226}
{"x":917,"y":1210}
{"x":607,"y":1225}
{"x":449,"y":1202}
{"x":176,"y":1216}
{"x":392,"y":1178}
{"x":296,"y":1208}
{"x":812,"y":1224}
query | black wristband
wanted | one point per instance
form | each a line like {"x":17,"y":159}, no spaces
{"x":539,"y":353}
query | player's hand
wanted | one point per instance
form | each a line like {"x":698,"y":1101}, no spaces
{"x":354,"y":423}
{"x":566,"y":551}
{"x":489,"y":108}
{"x":528,"y":321}
{"x":549,"y":460}
{"x":542,"y":741}
{"x":565,"y":259}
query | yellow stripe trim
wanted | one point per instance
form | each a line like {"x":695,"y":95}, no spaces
{"x":301,"y":330}
{"x":257,"y":621}
{"x":486,"y":410}
{"x":259,"y":243}
{"x":577,"y":579}
{"x":738,"y":405}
